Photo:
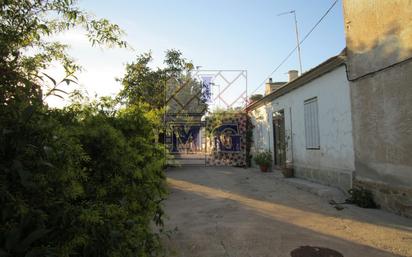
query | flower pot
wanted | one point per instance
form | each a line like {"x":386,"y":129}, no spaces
{"x":264,"y":168}
{"x":287,"y":172}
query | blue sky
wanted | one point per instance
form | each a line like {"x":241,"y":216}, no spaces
{"x":214,"y":34}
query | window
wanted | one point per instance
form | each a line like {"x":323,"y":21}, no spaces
{"x":312,"y":123}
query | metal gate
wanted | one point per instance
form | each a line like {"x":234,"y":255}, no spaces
{"x":189,"y":101}
{"x":186,"y":143}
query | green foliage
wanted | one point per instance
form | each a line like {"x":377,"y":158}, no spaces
{"x":83,"y":181}
{"x":217,"y":118}
{"x":361,"y":197}
{"x":80,"y":182}
{"x":255,"y":97}
{"x":24,"y":25}
{"x":263,"y":158}
{"x":141,"y":84}
{"x":172,"y":88}
{"x":249,"y":140}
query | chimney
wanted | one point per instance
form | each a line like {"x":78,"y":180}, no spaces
{"x":293,"y":74}
{"x":271,"y":86}
{"x":268,"y":88}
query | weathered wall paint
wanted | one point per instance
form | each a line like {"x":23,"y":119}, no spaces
{"x":379,"y":38}
{"x":333,"y":163}
{"x":261,"y":132}
{"x":378,"y":34}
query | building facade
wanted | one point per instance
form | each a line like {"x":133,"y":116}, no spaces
{"x":379,"y":53}
{"x":348,"y":122}
{"x":308,"y":122}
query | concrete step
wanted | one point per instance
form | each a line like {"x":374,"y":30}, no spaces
{"x":189,"y":162}
{"x":325,"y":192}
{"x":189,"y":156}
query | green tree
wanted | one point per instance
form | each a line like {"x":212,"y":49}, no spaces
{"x":83,"y":181}
{"x":173,"y":87}
{"x":142,"y":84}
{"x":255,"y":97}
{"x":24,"y":51}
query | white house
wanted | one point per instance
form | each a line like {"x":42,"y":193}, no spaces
{"x":307,"y":121}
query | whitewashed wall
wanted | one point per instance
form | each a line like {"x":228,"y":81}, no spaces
{"x":262,"y":129}
{"x":333,"y":163}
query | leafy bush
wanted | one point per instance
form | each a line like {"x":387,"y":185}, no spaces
{"x":263,"y":158}
{"x":255,"y":97}
{"x":83,"y":181}
{"x":80,"y":183}
{"x":249,"y":140}
{"x":361,"y":197}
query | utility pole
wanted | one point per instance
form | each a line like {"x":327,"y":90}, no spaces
{"x":297,"y":36}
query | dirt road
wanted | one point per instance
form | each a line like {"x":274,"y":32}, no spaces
{"x":221,"y":211}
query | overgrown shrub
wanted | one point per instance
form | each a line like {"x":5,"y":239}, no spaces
{"x":80,"y":183}
{"x":249,"y":140}
{"x":361,"y":197}
{"x":83,"y":181}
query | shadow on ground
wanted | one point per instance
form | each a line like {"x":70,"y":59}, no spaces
{"x":238,"y":212}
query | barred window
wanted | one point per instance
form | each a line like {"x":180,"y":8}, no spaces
{"x":312,"y":123}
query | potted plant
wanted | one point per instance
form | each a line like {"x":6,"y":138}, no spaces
{"x":264,"y":160}
{"x":287,"y":169}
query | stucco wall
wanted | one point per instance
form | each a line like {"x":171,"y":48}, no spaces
{"x":379,"y":42}
{"x":261,"y":130}
{"x":333,"y":163}
{"x":378,"y":34}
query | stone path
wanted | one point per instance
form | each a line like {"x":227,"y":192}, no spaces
{"x":235,"y":212}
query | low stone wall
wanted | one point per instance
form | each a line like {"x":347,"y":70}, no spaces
{"x":336,"y":178}
{"x":396,"y":199}
{"x":390,"y":198}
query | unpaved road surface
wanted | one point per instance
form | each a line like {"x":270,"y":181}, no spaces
{"x":235,"y":212}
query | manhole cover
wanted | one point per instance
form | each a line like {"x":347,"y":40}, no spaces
{"x":314,"y":251}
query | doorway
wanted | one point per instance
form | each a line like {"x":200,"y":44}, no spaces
{"x":279,"y":138}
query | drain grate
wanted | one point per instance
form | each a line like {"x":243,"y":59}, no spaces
{"x":314,"y":251}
